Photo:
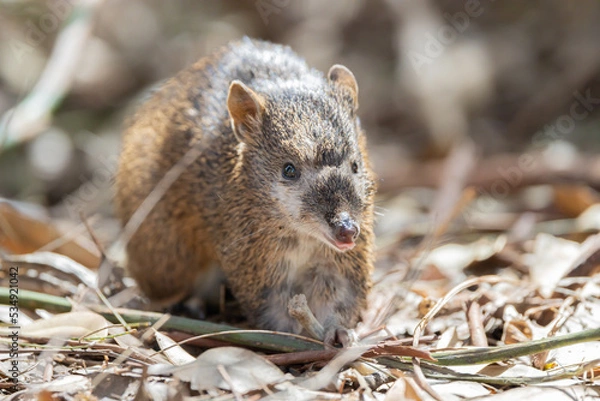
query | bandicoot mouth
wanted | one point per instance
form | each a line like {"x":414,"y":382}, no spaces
{"x":339,"y":245}
{"x":344,"y":246}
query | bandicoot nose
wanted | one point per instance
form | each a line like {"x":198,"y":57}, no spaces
{"x":346,"y":231}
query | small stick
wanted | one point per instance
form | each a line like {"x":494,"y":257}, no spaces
{"x":299,"y":310}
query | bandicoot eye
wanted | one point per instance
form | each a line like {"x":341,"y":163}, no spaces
{"x":289,"y":172}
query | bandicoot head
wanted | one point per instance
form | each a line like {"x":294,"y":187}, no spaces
{"x":301,"y":140}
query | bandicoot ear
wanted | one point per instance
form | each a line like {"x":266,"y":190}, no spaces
{"x":245,"y":109}
{"x":343,"y":78}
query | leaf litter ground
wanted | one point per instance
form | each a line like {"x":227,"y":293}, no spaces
{"x":475,"y":297}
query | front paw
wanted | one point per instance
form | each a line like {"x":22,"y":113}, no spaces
{"x":331,"y":332}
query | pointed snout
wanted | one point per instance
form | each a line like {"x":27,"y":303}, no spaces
{"x":335,"y":198}
{"x":345,"y":232}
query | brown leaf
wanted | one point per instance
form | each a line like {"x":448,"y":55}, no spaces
{"x":572,"y":200}
{"x":25,"y":228}
{"x":517,"y":331}
{"x":393,"y":348}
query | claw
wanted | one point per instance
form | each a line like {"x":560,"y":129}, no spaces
{"x":336,"y":334}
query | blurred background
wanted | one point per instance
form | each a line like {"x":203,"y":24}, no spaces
{"x":510,"y":89}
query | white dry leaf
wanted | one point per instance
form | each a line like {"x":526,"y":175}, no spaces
{"x":68,"y":384}
{"x":158,"y":391}
{"x":590,"y":219}
{"x":576,"y":354}
{"x":404,"y":389}
{"x":551,"y":259}
{"x":590,"y":290}
{"x":245,"y":371}
{"x":129,"y":341}
{"x":451,"y":259}
{"x":510,"y":313}
{"x":27,"y":361}
{"x":459,"y":390}
{"x":467,"y":369}
{"x":586,"y":316}
{"x":449,"y":339}
{"x":61,"y":263}
{"x":174,"y":353}
{"x":66,"y":326}
{"x":520,"y":370}
{"x":525,"y":371}
{"x":585,"y":265}
{"x":287,"y":391}
{"x":534,"y":393}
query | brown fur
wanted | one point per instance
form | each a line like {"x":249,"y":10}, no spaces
{"x":233,"y":207}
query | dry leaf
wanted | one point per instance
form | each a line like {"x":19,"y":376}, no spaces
{"x":66,"y":326}
{"x":516,"y":331}
{"x":572,"y":199}
{"x":58,"y":262}
{"x":554,"y":393}
{"x":404,"y":389}
{"x":449,"y":339}
{"x":590,"y":219}
{"x":460,"y":390}
{"x":246,"y":370}
{"x":393,"y":348}
{"x":588,"y":262}
{"x":68,"y":384}
{"x":576,"y":354}
{"x":174,"y":353}
{"x":550,"y":261}
{"x":25,"y":228}
{"x":451,"y":259}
